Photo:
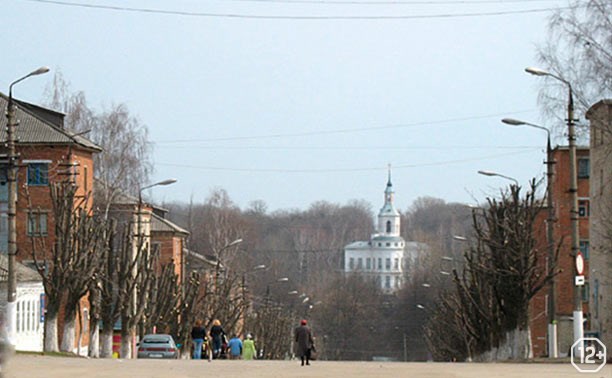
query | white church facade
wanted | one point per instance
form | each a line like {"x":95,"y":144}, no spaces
{"x":386,"y":256}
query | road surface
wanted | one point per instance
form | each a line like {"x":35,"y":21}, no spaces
{"x":35,"y":366}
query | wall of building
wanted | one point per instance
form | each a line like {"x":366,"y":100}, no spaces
{"x":600,"y":118}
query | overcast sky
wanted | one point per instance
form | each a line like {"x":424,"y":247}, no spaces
{"x":292,"y":102}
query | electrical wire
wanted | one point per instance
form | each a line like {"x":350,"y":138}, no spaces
{"x":349,"y":130}
{"x":279,"y":17}
{"x":397,"y":2}
{"x":398,"y":166}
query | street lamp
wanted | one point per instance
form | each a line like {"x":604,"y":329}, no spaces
{"x":573,"y":189}
{"x":11,"y":140}
{"x":141,"y":234}
{"x":490,"y":173}
{"x":218,"y":256}
{"x":552,"y":323}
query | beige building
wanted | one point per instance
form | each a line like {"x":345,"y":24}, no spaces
{"x":600,"y":279}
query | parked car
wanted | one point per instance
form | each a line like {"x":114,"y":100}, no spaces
{"x":157,"y":346}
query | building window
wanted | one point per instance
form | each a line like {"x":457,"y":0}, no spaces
{"x":388,"y":227}
{"x":585,"y":292}
{"x":379,"y":263}
{"x":584,"y":167}
{"x":368,"y":263}
{"x":360,"y":263}
{"x":85,"y":182}
{"x":387,"y":282}
{"x":388,"y":244}
{"x":388,"y":264}
{"x":583,"y":208}
{"x":38,"y":174}
{"x":37,"y":224}
{"x":584,"y":249}
{"x":396,"y":263}
{"x":351,"y":263}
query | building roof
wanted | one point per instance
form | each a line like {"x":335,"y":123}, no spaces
{"x":159,"y":224}
{"x":202,"y":260}
{"x":38,"y":125}
{"x":23,"y":273}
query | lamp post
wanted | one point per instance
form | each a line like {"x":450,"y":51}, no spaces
{"x":552,"y":311}
{"x":141,"y":235}
{"x":246,"y":303}
{"x":11,"y":309}
{"x":491,"y":174}
{"x":218,"y":265}
{"x":573,"y":189}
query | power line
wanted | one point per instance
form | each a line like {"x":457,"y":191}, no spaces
{"x":348,"y":130}
{"x":279,"y":17}
{"x":355,"y":148}
{"x":397,"y":2}
{"x":324,"y":170}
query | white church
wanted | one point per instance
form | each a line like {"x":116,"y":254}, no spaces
{"x":386,"y":256}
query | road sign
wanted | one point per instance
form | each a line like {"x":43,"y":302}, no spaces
{"x":579,"y":264}
{"x":579,"y":280}
{"x":591,"y":356}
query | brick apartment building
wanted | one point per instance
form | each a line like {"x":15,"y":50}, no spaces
{"x":564,"y":281}
{"x":47,"y":153}
{"x":600,"y":119}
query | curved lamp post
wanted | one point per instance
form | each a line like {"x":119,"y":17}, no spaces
{"x":141,"y":235}
{"x":552,"y":323}
{"x":11,"y":309}
{"x":573,"y":190}
{"x":490,"y":173}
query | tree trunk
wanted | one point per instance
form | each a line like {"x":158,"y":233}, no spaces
{"x":106,"y":342}
{"x":68,"y":336}
{"x":126,"y":344}
{"x":51,"y":342}
{"x":94,"y":341}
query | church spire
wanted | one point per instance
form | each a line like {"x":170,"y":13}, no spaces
{"x":389,"y":217}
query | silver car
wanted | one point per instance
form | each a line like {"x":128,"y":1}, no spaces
{"x":157,"y":346}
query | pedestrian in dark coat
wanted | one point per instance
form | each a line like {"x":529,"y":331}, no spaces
{"x":305,"y":343}
{"x":217,"y":334}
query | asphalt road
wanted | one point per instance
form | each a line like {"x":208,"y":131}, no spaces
{"x":33,"y":366}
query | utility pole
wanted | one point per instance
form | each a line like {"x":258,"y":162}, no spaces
{"x":552,"y":309}
{"x":573,"y":189}
{"x":575,"y":237}
{"x":11,"y":305}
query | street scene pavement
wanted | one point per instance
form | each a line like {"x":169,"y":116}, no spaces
{"x":34,"y":366}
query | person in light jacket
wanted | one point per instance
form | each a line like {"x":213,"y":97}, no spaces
{"x":305,"y":343}
{"x":249,"y":352}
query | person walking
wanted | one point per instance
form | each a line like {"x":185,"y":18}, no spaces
{"x":217,"y":333}
{"x":198,"y":334}
{"x":305,"y":343}
{"x":248,"y":351}
{"x":235,"y":348}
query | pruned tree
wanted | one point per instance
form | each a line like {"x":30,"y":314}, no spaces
{"x":67,"y":269}
{"x":502,"y":271}
{"x":136,"y":275}
{"x":189,"y":303}
{"x":162,"y":306}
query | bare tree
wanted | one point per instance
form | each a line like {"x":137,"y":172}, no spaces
{"x":72,"y":262}
{"x":579,"y":50}
{"x":503,"y":271}
{"x":126,"y":161}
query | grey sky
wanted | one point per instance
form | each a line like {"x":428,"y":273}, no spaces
{"x":291,"y":111}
